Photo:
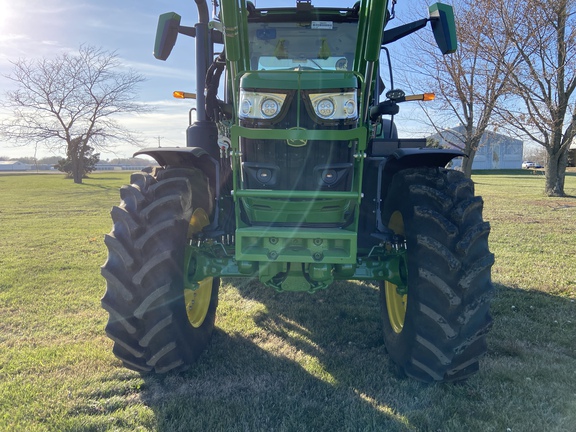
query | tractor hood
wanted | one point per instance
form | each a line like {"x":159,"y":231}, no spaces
{"x":298,"y":80}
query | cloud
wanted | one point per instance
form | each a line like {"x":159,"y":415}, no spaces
{"x":159,"y":69}
{"x":10,"y":38}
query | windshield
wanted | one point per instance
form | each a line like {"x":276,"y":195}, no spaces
{"x":304,"y":45}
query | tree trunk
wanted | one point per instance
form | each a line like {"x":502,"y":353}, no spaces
{"x":467,"y":163}
{"x":555,"y":174}
{"x":76,"y":154}
{"x":77,"y":174}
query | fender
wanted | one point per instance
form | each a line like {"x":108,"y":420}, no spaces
{"x":176,"y":156}
{"x":186,"y":157}
{"x":405,"y":158}
{"x":419,"y":157}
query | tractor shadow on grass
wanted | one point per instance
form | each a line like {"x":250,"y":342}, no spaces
{"x":316,"y":362}
{"x":307,"y":362}
{"x":106,"y":183}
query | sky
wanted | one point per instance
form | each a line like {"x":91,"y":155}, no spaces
{"x":45,"y":28}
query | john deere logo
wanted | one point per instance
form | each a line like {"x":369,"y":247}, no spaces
{"x":297,"y":142}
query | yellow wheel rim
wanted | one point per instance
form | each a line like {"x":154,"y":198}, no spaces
{"x":198,"y":221}
{"x":197,"y":302}
{"x":395,"y":303}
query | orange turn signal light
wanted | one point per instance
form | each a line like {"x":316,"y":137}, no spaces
{"x":183,"y":95}
{"x":421,"y":97}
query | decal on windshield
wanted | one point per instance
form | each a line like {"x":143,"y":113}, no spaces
{"x":322,"y":25}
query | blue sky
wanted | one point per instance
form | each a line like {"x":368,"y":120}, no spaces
{"x":45,"y":28}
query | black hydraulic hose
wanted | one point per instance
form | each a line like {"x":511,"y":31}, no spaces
{"x":212,"y":83}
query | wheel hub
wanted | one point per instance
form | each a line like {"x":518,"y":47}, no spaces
{"x":396,"y":300}
{"x":197,"y":301}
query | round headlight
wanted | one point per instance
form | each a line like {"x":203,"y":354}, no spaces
{"x":349,"y":108}
{"x":245,"y":107}
{"x":325,"y":108}
{"x":269,"y":107}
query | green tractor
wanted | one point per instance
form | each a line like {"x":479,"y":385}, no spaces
{"x":294,"y":174}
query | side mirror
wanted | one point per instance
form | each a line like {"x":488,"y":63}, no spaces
{"x":166,"y":34}
{"x":443,"y":27}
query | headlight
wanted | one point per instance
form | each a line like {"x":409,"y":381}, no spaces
{"x":262,"y":106}
{"x":335,"y":106}
{"x":270,"y":107}
{"x":324,"y":108}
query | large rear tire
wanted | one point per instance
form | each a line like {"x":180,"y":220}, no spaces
{"x":157,"y":325}
{"x":437,"y":332}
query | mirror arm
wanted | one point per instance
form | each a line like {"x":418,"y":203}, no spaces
{"x":399,"y":32}
{"x":216,"y":35}
{"x":187,"y":31}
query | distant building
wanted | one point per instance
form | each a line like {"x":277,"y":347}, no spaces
{"x":496,"y":151}
{"x":14,"y":166}
{"x":572,"y":155}
{"x":132,"y":166}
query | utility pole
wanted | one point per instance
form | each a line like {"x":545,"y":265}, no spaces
{"x":159,"y":138}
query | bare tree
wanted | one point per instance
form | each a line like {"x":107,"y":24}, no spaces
{"x":542,"y":104}
{"x":69,"y":102}
{"x":469,"y":82}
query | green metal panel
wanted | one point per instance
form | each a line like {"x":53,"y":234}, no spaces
{"x":358,"y":55}
{"x":230,"y":17}
{"x":244,"y":64}
{"x":370,"y":27}
{"x":278,"y":209}
{"x":359,"y":134}
{"x":375,"y":28}
{"x":289,"y":244}
{"x":304,"y":80}
{"x":295,"y":194}
{"x":287,"y":264}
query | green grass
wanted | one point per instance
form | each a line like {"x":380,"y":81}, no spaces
{"x":278,"y":362}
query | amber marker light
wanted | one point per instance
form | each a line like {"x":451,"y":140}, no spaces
{"x":421,"y":97}
{"x":183,"y":95}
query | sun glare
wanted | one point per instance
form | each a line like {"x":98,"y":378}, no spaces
{"x":6,"y":15}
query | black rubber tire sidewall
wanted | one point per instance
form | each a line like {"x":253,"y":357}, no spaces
{"x":444,"y":329}
{"x":144,"y":271}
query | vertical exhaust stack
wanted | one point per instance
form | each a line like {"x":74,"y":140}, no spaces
{"x":203,"y":132}
{"x":203,"y":56}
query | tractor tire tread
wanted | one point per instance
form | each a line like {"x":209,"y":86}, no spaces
{"x":144,"y":272}
{"x":449,"y":264}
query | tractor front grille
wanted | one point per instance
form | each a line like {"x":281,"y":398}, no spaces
{"x":314,"y":165}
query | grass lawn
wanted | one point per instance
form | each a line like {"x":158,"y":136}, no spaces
{"x":278,"y":362}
